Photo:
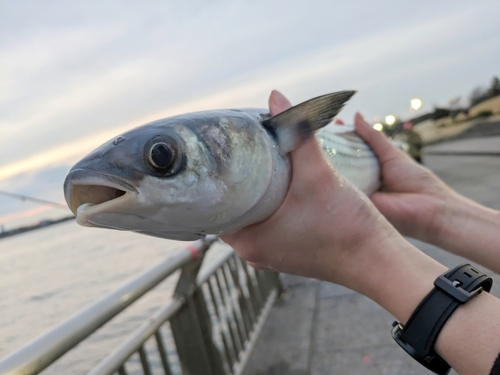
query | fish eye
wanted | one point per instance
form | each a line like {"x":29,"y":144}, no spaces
{"x":164,"y":156}
{"x":161,"y":156}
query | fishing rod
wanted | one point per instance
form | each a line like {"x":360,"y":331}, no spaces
{"x":36,"y":200}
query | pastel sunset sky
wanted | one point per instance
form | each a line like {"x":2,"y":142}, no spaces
{"x":74,"y":74}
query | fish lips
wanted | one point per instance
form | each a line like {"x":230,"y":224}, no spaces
{"x":88,"y":193}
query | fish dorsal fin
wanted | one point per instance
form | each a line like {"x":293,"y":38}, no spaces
{"x":297,"y":124}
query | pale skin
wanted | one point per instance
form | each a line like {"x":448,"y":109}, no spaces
{"x":327,"y":229}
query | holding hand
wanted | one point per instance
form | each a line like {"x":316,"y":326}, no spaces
{"x":421,"y":206}
{"x":411,"y":197}
{"x":325,"y":228}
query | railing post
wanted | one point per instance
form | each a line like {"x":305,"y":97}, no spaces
{"x":191,"y":327}
{"x":279,"y":284}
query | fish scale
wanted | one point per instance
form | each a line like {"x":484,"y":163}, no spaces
{"x":351,"y":157}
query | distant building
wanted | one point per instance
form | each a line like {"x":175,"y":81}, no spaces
{"x":437,"y":114}
{"x":462,"y":116}
{"x":491,"y":105}
{"x":443,"y":122}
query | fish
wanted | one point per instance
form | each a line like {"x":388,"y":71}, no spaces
{"x":211,"y":172}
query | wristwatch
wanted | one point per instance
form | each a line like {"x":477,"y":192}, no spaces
{"x":418,"y":336}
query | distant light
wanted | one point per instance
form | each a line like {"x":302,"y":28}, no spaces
{"x":378,"y":126}
{"x":390,"y":119}
{"x":415,"y":103}
{"x":377,"y":118}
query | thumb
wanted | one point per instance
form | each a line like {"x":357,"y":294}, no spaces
{"x":278,"y":103}
{"x":378,"y":142}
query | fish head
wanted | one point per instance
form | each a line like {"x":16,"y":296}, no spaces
{"x":179,"y":178}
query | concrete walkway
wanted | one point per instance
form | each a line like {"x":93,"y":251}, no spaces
{"x":322,"y":328}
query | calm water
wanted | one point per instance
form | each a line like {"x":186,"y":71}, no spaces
{"x":49,"y":274}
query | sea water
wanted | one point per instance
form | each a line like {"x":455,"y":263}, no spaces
{"x":49,"y":274}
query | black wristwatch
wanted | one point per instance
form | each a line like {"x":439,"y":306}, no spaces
{"x":453,"y":288}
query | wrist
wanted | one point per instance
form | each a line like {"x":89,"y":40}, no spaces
{"x":470,"y":230}
{"x":408,"y":277}
{"x":452,"y":207}
{"x":394,"y":274}
{"x":432,"y":226}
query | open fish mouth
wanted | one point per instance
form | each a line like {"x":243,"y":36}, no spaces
{"x":89,"y":192}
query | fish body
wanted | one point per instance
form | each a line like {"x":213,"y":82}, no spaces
{"x":211,"y":172}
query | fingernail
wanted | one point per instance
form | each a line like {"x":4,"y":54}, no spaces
{"x":361,"y":119}
{"x":279,"y":99}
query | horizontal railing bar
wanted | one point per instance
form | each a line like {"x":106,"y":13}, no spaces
{"x":462,"y":153}
{"x":123,"y":352}
{"x":44,"y":350}
{"x":222,"y":257}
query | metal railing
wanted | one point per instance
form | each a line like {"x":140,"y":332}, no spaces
{"x":209,"y":326}
{"x":462,"y":153}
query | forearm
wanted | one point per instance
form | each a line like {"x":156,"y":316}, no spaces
{"x":394,"y":274}
{"x":398,"y":276}
{"x":470,"y":230}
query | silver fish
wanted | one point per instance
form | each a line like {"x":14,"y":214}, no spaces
{"x":211,"y":172}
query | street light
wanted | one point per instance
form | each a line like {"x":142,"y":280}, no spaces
{"x":378,"y":126}
{"x":390,"y":120}
{"x":415,"y":104}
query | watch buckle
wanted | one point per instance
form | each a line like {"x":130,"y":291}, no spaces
{"x":453,"y":289}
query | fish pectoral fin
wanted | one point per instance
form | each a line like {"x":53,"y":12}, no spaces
{"x":297,"y":124}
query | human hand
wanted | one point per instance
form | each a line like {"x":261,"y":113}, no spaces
{"x":327,"y":229}
{"x":411,"y":197}
{"x":324,"y":227}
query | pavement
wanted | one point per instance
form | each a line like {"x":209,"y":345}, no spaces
{"x":321,"y":328}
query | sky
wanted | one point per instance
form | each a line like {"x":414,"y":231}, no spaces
{"x":75,"y":74}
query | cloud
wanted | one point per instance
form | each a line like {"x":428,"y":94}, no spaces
{"x":75,"y":78}
{"x":92,"y":110}
{"x":24,"y":59}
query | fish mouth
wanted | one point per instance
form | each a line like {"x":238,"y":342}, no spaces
{"x":89,"y":192}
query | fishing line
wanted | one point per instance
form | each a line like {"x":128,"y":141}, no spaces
{"x":36,"y":200}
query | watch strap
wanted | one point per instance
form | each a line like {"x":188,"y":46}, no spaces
{"x":419,"y":334}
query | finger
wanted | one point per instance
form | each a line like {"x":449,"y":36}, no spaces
{"x":308,"y":153}
{"x":278,"y":103}
{"x":338,"y":121}
{"x":381,"y":146}
{"x":309,"y":169}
